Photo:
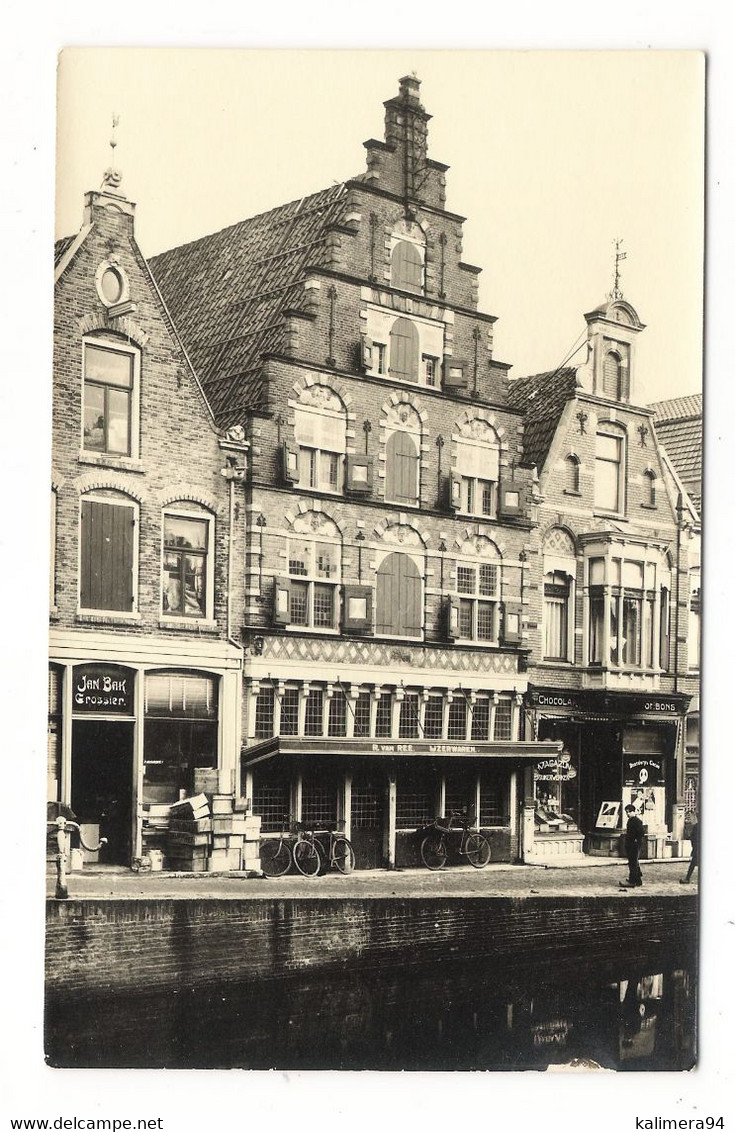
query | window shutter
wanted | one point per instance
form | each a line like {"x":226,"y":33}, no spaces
{"x":510,"y":501}
{"x":455,"y":373}
{"x":357,"y":609}
{"x":386,"y":619}
{"x":401,"y":469}
{"x":290,"y":463}
{"x":512,"y":615}
{"x":406,"y":267}
{"x":404,"y":350}
{"x":410,"y":620}
{"x":106,"y":559}
{"x":455,"y":492}
{"x":281,"y":602}
{"x":359,"y":474}
{"x":451,"y":618}
{"x":366,"y":352}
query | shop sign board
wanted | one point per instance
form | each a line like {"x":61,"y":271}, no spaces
{"x":607,"y":818}
{"x":103,"y":689}
{"x":623,"y":703}
{"x":555,"y":770}
{"x":643,"y":770}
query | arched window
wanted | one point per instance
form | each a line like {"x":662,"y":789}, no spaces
{"x":407,"y":267}
{"x":649,"y":488}
{"x":108,"y":552}
{"x":398,"y":599}
{"x":314,"y":567}
{"x":571,"y":474}
{"x":611,"y":376}
{"x":402,"y":468}
{"x":404,"y":350}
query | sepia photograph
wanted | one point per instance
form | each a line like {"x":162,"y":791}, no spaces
{"x":375,"y":592}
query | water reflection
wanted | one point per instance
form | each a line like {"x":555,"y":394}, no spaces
{"x":472,"y":1016}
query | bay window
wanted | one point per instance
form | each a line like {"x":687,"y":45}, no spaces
{"x":557,"y":589}
{"x":626,"y":612}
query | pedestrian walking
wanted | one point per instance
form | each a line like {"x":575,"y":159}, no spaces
{"x":633,"y":842}
{"x":694,"y":860}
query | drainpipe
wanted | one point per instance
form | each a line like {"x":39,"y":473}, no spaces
{"x":679,"y":512}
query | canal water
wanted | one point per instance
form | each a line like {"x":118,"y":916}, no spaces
{"x":629,"y":1012}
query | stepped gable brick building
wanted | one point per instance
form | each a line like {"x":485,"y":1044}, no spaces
{"x":145,"y":678}
{"x":606,"y":605}
{"x":387,"y":507}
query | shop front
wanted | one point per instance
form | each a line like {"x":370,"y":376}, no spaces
{"x":617,"y":749}
{"x":385,"y":793}
{"x":126,"y":733}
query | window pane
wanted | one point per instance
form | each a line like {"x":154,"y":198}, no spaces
{"x":171,"y":583}
{"x":323,"y":607}
{"x":299,"y":603}
{"x":264,"y":708}
{"x":480,"y":720}
{"x":465,"y":580}
{"x":503,"y":718}
{"x":328,"y":471}
{"x":362,"y":715}
{"x":597,"y":571}
{"x":383,"y":716}
{"x":465,"y":618}
{"x":299,"y":558}
{"x":94,"y":418}
{"x":468,"y":494}
{"x":313,"y":720}
{"x":194,"y":584}
{"x":433,"y":714}
{"x":307,"y":467}
{"x":457,"y":727}
{"x":338,"y":713}
{"x":191,"y":534}
{"x":118,"y":421}
{"x":632,"y":630}
{"x":488,"y":580}
{"x":488,"y":497}
{"x":485,"y":620}
{"x":408,"y":723}
{"x":290,"y":712}
{"x":326,"y":560}
{"x":596,"y":616}
{"x":108,"y":366}
{"x":606,"y":485}
{"x":608,"y":447}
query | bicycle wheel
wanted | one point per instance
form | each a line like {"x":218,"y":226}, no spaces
{"x":477,"y":849}
{"x":307,"y":858}
{"x":434,"y":851}
{"x":275,"y":858}
{"x":343,"y":855}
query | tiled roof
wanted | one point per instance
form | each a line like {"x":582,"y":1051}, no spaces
{"x":678,"y":408}
{"x":227,"y":293}
{"x":541,"y":398}
{"x":61,"y":247}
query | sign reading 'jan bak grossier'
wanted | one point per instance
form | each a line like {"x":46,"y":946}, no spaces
{"x":103,"y":688}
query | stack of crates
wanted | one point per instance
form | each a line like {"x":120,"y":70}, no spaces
{"x":189,"y":835}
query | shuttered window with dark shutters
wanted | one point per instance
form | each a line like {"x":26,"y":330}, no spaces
{"x":398,"y":597}
{"x":401,"y":469}
{"x":407,"y":268}
{"x":404,"y":350}
{"x":106,"y":565}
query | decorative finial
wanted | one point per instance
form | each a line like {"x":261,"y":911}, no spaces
{"x":616,"y":292}
{"x":112,"y":177}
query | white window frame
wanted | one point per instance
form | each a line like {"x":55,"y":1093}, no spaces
{"x":613,"y":591}
{"x":115,"y":346}
{"x":311,"y":579}
{"x":173,"y":511}
{"x":315,"y":453}
{"x":568,"y":572}
{"x":474,"y":485}
{"x":477,"y":599}
{"x":118,"y":499}
{"x":605,"y":429}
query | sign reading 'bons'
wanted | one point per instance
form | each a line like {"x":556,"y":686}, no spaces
{"x":103,"y":688}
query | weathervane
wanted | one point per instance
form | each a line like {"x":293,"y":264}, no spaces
{"x":619,"y":256}
{"x":112,"y":176}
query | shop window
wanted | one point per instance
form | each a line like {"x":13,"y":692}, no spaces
{"x":107,"y":554}
{"x":477,"y":473}
{"x":610,"y":471}
{"x":557,"y":592}
{"x":314,"y":713}
{"x":407,"y":267}
{"x":478,"y":590}
{"x":398,"y":597}
{"x":404,"y":350}
{"x":362,"y":715}
{"x":402,"y":465}
{"x":556,"y":791}
{"x":433,"y":717}
{"x":460,"y":794}
{"x":289,"y":712}
{"x":187,"y":585}
{"x":110,"y":399}
{"x":383,"y":720}
{"x":457,"y":722}
{"x":503,"y":729}
{"x":492,"y":800}
{"x":271,"y":800}
{"x":611,"y":376}
{"x":481,"y":719}
{"x":314,"y":570}
{"x":408,"y":720}
{"x":415,"y":800}
{"x":265,"y":713}
{"x":320,"y":434}
{"x":337,"y":723}
{"x":571,"y":474}
{"x":180,"y":732}
{"x":318,"y":804}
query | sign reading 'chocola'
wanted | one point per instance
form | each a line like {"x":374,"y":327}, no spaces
{"x":103,"y":688}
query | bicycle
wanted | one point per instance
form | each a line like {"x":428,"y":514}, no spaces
{"x":276,"y":856}
{"x":339,"y":852}
{"x":472,"y":845}
{"x":307,"y":854}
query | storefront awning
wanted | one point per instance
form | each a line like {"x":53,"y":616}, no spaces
{"x":280,"y":747}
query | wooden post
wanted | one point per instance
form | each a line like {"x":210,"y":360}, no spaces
{"x":389,"y":830}
{"x":528,"y":827}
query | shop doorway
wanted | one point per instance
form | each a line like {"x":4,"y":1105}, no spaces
{"x":102,"y":784}
{"x":601,"y":775}
{"x":368,"y":796}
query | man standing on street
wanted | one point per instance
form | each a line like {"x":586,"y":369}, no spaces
{"x":694,"y":862}
{"x":633,"y":841}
